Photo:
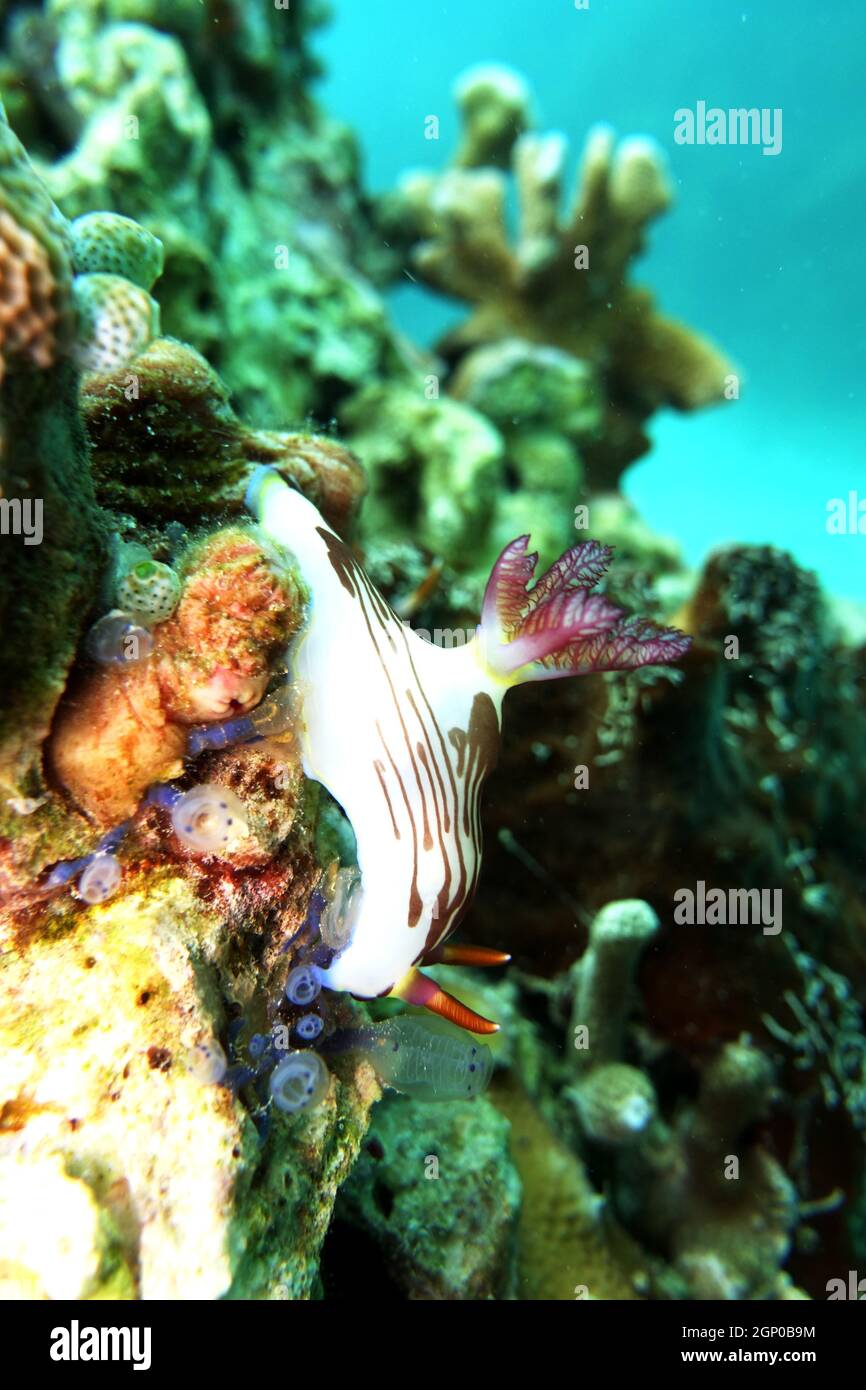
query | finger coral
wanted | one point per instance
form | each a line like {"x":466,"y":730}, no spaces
{"x":615,"y":1101}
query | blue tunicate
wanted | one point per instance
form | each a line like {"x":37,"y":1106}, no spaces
{"x":220,"y":735}
{"x":162,"y":794}
{"x":206,"y":817}
{"x":237,"y":1076}
{"x":428,"y":1058}
{"x":315,"y":908}
{"x":100,"y":878}
{"x":273,"y":716}
{"x":66,"y":871}
{"x":299,"y":1082}
{"x":118,"y":639}
{"x":303,"y":984}
{"x":309,"y":1027}
{"x":257,"y":1044}
{"x":113,"y":839}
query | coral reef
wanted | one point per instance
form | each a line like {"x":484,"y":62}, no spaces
{"x":676,"y":1109}
{"x":268,"y":240}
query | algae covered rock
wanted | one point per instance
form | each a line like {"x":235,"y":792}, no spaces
{"x":435,"y":1189}
{"x":167,"y":445}
{"x":111,"y":1114}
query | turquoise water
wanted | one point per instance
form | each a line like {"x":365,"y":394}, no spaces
{"x":763,"y":253}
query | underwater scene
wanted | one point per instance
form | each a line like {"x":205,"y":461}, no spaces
{"x":426,"y":427}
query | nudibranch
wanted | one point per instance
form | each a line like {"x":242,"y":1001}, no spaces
{"x":402,"y":733}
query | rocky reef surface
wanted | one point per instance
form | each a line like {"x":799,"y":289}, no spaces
{"x":677,"y":1108}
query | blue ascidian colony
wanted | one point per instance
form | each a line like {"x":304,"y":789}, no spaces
{"x":432,"y":654}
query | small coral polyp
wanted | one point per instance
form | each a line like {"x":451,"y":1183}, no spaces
{"x":150,"y":590}
{"x":106,"y":242}
{"x":116,"y":321}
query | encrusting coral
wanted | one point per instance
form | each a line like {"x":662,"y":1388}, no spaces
{"x":436,"y":1192}
{"x":127,"y":726}
{"x":43,"y":466}
{"x":63,"y":313}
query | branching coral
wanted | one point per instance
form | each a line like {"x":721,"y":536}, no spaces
{"x":268,"y":241}
{"x":717,"y":1204}
{"x":563,"y":283}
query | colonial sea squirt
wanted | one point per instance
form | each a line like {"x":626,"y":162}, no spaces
{"x":402,"y":733}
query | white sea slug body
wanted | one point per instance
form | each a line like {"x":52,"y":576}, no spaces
{"x":402,"y":733}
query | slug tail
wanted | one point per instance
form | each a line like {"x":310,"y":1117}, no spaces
{"x":559,"y":626}
{"x":418,"y":989}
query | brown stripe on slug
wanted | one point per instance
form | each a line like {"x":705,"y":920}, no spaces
{"x":416,"y":906}
{"x":380,"y":773}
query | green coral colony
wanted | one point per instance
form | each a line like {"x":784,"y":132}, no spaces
{"x":243,"y":747}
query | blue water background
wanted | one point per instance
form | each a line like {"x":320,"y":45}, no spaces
{"x":765,"y":254}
